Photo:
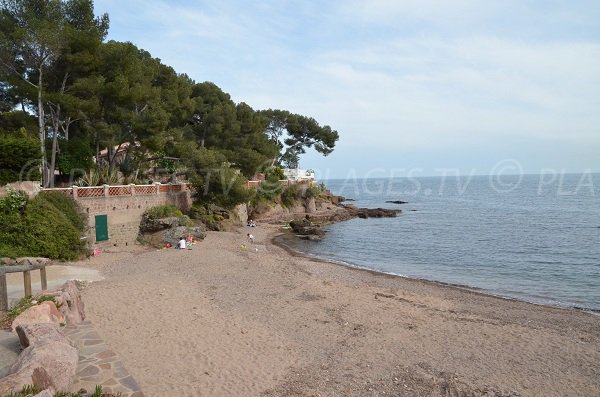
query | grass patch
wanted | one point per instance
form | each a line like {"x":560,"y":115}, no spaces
{"x":27,"y":302}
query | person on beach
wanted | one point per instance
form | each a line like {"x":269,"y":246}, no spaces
{"x":181,"y":244}
{"x":250,"y":238}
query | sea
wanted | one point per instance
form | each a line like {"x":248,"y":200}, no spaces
{"x":534,"y":238}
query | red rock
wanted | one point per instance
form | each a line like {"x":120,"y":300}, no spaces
{"x":33,"y":334}
{"x":47,"y":365}
{"x":72,"y":306}
{"x":45,"y":312}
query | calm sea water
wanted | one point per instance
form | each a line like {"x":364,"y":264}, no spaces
{"x":530,"y":237}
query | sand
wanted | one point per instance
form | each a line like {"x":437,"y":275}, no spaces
{"x":219,"y":320}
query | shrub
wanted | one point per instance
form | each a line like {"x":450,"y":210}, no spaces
{"x":313,"y":191}
{"x":47,"y":225}
{"x":18,"y":155}
{"x":224,"y":186}
{"x":26,"y":302}
{"x":163,"y":211}
{"x":68,"y":206}
{"x":290,"y":196}
{"x":49,"y":232}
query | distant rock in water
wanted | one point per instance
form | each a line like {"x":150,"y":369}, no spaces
{"x":397,"y":202}
{"x":364,"y":213}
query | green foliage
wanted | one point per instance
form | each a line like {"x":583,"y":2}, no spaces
{"x":166,"y":211}
{"x":100,"y":175}
{"x":19,"y":159}
{"x":26,"y":390}
{"x":18,"y":123}
{"x":75,"y":158}
{"x":290,"y":196}
{"x":313,"y":191}
{"x":163,"y":211}
{"x":47,"y":226}
{"x":224,"y":186}
{"x":69,"y":207}
{"x":270,"y":189}
{"x":13,"y":202}
{"x":26,"y":302}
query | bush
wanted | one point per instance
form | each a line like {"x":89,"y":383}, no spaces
{"x":47,"y":225}
{"x":18,"y":155}
{"x":290,"y":196}
{"x":49,"y":232}
{"x":313,"y":191}
{"x":163,"y":211}
{"x":68,"y":206}
{"x":224,"y":186}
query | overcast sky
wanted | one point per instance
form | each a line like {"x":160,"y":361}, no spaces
{"x":412,"y":86}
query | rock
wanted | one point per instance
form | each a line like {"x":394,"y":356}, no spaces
{"x":71,"y":305}
{"x":310,"y":205}
{"x":33,"y":334}
{"x":397,"y":202}
{"x":45,"y":312}
{"x":174,"y":234}
{"x":47,"y":365}
{"x":150,"y":225}
{"x":305,"y":227}
{"x":371,"y":212}
{"x":310,"y":237}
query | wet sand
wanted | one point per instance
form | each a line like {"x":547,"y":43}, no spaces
{"x":219,"y":320}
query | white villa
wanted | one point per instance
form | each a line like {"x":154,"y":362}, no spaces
{"x":296,"y":174}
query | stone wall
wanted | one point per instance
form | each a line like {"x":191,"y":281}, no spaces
{"x":124,"y":214}
{"x":124,"y":207}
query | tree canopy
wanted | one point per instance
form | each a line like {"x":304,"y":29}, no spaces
{"x":84,"y":97}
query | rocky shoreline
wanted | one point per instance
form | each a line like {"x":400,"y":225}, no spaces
{"x":309,"y":215}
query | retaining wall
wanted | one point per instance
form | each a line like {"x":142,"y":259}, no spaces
{"x":124,"y":207}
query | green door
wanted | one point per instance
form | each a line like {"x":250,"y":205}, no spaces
{"x":101,"y":227}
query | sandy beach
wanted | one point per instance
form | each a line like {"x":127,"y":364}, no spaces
{"x":220,"y":320}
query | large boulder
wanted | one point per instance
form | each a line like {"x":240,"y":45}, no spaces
{"x":150,"y":225}
{"x":174,"y":234}
{"x":71,"y":305}
{"x":45,"y":312}
{"x":35,"y":334}
{"x":47,"y":365}
{"x":49,"y":360}
{"x":305,"y":227}
{"x":310,"y":205}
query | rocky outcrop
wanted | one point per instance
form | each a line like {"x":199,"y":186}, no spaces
{"x":45,"y":312}
{"x":70,"y":303}
{"x":396,"y":202}
{"x":49,"y":361}
{"x":307,"y":229}
{"x":364,"y":213}
{"x":161,"y":231}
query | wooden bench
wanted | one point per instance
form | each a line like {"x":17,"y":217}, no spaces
{"x":26,"y":270}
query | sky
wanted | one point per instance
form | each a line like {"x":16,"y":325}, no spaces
{"x":413,"y":87}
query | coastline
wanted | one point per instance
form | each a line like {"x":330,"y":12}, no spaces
{"x":276,"y":240}
{"x":220,"y":320}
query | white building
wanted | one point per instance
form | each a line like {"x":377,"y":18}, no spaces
{"x":296,"y":174}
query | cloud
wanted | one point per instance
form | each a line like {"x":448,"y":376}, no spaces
{"x":423,"y":75}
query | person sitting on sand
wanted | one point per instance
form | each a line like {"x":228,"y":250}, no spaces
{"x":250,"y":237}
{"x":181,"y":244}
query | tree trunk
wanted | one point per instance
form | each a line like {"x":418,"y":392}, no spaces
{"x":42,"y":127}
{"x":56,"y":126}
